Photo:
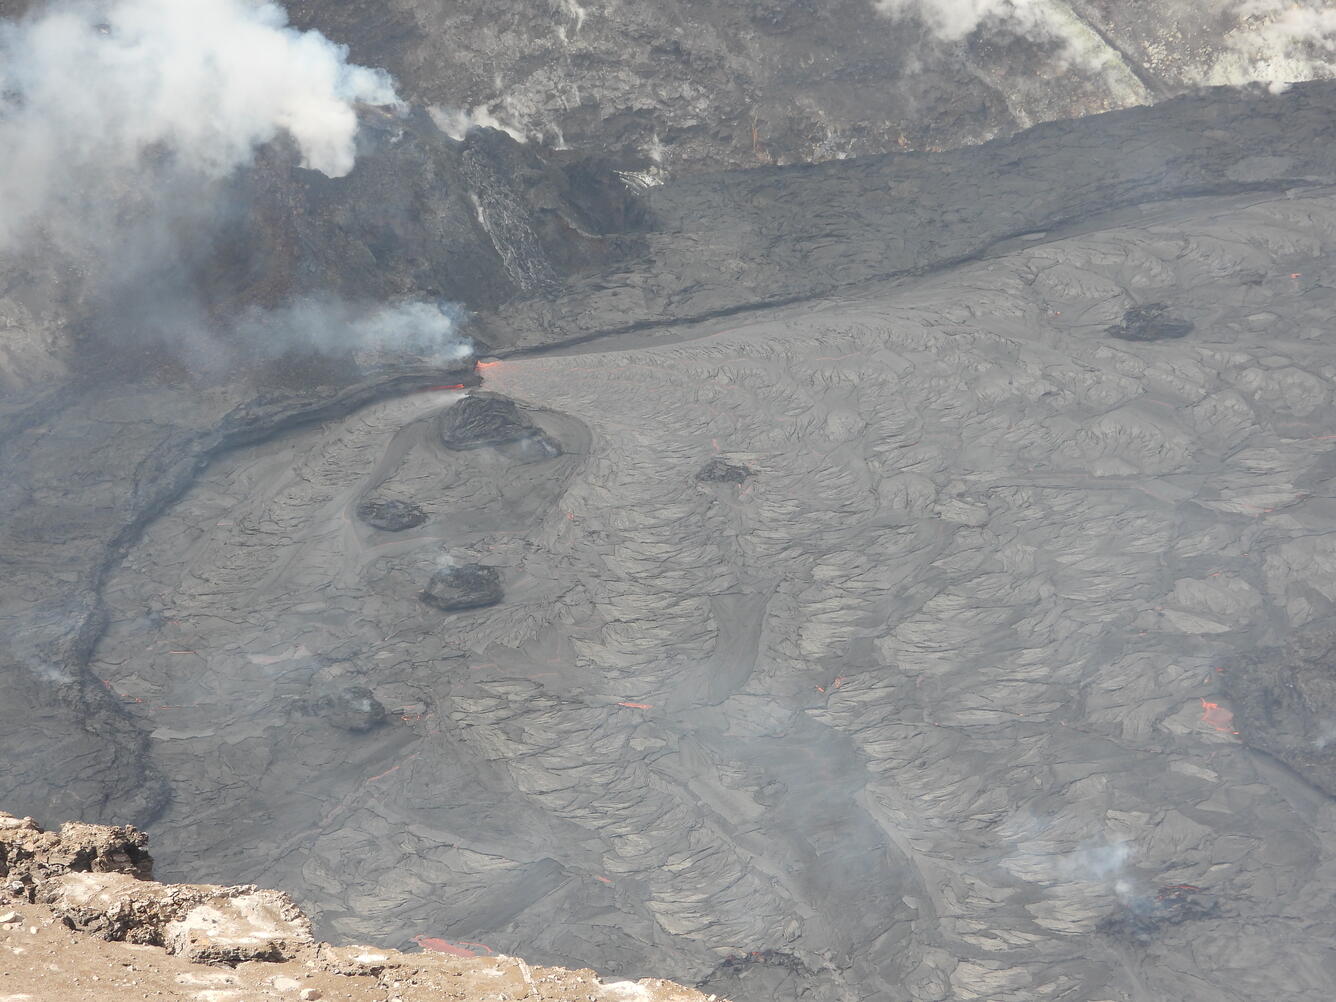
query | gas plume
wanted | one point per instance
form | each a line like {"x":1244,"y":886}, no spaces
{"x":1277,"y":42}
{"x":91,"y":94}
{"x":331,"y":326}
{"x":1067,"y":38}
{"x":1274,"y":42}
{"x":124,"y":123}
{"x":952,"y":20}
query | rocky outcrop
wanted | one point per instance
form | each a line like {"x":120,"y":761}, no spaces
{"x":1151,"y":322}
{"x":96,"y":879}
{"x":691,"y":85}
{"x":30,"y":856}
{"x":90,"y":880}
{"x":205,"y":923}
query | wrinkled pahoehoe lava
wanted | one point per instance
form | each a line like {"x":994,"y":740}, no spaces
{"x":870,"y":634}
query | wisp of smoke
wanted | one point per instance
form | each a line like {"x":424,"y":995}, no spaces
{"x":1101,"y":864}
{"x":459,"y":122}
{"x":1277,"y":42}
{"x":1065,"y":36}
{"x":91,"y":91}
{"x":952,"y":20}
{"x":1274,"y":41}
{"x":332,"y":326}
{"x":121,"y":121}
{"x":1326,"y":734}
{"x":1096,"y":862}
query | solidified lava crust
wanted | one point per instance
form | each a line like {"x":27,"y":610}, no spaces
{"x":907,"y":708}
{"x":469,"y":586}
{"x":1152,"y":322}
{"x":484,"y":419}
{"x":391,"y":515}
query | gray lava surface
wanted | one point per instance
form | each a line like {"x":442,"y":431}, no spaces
{"x":924,"y":706}
{"x":470,"y":586}
{"x":936,"y":705}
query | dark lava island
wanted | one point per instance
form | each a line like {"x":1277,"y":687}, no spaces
{"x":487,"y":419}
{"x":467,"y":586}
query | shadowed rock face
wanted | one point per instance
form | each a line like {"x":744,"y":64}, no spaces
{"x":476,"y":222}
{"x":470,"y":586}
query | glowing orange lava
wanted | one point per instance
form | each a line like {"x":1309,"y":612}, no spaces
{"x":638,"y":706}
{"x":1218,"y":717}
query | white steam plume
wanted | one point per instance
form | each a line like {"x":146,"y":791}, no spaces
{"x":1053,"y":22}
{"x":91,"y":92}
{"x":459,"y":122}
{"x":952,"y":20}
{"x":1097,"y":863}
{"x":1272,"y":41}
{"x":1277,"y":42}
{"x":120,"y":123}
{"x":332,"y":326}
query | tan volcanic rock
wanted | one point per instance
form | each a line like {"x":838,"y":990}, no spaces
{"x":81,"y":926}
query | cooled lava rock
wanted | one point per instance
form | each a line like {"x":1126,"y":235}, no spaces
{"x":485,"y":419}
{"x":721,"y":471}
{"x":352,"y":708}
{"x":1284,"y":703}
{"x":468,"y":586}
{"x":1141,"y":917}
{"x":1152,"y":322}
{"x":392,"y":515}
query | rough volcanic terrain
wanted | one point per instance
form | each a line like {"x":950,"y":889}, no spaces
{"x":82,"y":920}
{"x":837,"y":581}
{"x":927,"y":703}
{"x":684,"y":85}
